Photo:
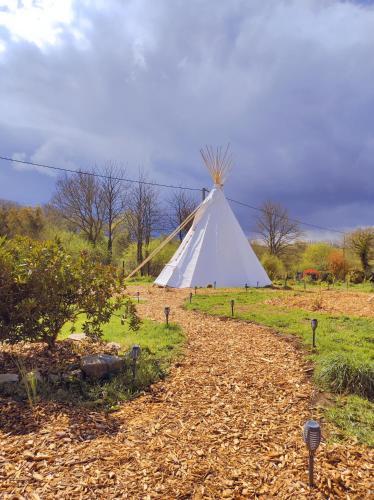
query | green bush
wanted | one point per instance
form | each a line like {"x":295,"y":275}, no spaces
{"x":42,"y":287}
{"x":273,"y":266}
{"x":346,"y":373}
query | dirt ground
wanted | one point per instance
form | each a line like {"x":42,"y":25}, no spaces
{"x":346,"y":303}
{"x":226,"y":423}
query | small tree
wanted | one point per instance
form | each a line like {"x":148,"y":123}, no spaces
{"x":79,"y":199}
{"x":181,"y":206}
{"x":277,"y":230}
{"x":42,"y":288}
{"x":337,"y":264}
{"x":361,"y":242}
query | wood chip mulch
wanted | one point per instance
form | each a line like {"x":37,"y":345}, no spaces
{"x":226,"y":423}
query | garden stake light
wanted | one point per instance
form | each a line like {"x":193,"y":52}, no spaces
{"x":167,"y":312}
{"x":134,"y":353}
{"x":232,"y":307}
{"x":314,"y":324}
{"x":138,"y":295}
{"x":312,"y":439}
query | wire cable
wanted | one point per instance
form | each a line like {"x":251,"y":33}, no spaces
{"x":170,"y":186}
{"x":95,"y":174}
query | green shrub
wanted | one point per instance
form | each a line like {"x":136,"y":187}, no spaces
{"x":42,"y":287}
{"x":346,"y":373}
{"x":273,"y":266}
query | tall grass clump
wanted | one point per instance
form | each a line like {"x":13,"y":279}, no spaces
{"x":346,"y":373}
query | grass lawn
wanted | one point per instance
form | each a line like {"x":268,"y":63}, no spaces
{"x":344,"y":357}
{"x":164,"y":343}
{"x":339,"y":286}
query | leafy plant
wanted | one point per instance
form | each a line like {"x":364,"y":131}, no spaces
{"x":43,"y":287}
{"x":131,"y":315}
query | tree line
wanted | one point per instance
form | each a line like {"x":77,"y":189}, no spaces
{"x":116,"y":218}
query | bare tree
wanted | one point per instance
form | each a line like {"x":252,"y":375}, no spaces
{"x":276,"y":229}
{"x":181,"y":206}
{"x":79,"y":200}
{"x":143,"y":215}
{"x":361,"y":242}
{"x":114,"y":193}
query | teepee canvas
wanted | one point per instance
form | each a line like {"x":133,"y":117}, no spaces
{"x":215,"y":248}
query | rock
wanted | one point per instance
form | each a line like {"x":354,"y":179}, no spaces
{"x":114,"y":346}
{"x":6,"y":378}
{"x":77,"y":337}
{"x":99,"y":365}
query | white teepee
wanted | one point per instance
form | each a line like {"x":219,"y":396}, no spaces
{"x":215,"y":249}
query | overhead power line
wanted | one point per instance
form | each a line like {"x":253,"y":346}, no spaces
{"x":95,"y":174}
{"x":289,"y":218}
{"x":149,"y":183}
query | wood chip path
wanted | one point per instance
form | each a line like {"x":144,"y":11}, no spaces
{"x":226,"y":423}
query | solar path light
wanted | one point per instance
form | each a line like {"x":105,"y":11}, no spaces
{"x":314,"y":324}
{"x":167,"y":312}
{"x":232,"y":307}
{"x":312,"y":439}
{"x":134,"y":354}
{"x":138,"y":295}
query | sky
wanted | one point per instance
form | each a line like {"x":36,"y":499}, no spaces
{"x":288,"y":83}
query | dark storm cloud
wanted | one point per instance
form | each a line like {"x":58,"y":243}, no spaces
{"x":288,"y":84}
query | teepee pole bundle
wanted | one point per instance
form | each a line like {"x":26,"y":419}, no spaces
{"x":163,"y":243}
{"x":218,"y":162}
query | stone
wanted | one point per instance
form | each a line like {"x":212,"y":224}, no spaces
{"x":6,"y":378}
{"x":97,"y":366}
{"x":77,"y":337}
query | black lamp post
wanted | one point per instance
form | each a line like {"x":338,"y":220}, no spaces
{"x":167,"y":312}
{"x":134,"y":354}
{"x":314,"y":324}
{"x":232,"y":307}
{"x":312,"y":439}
